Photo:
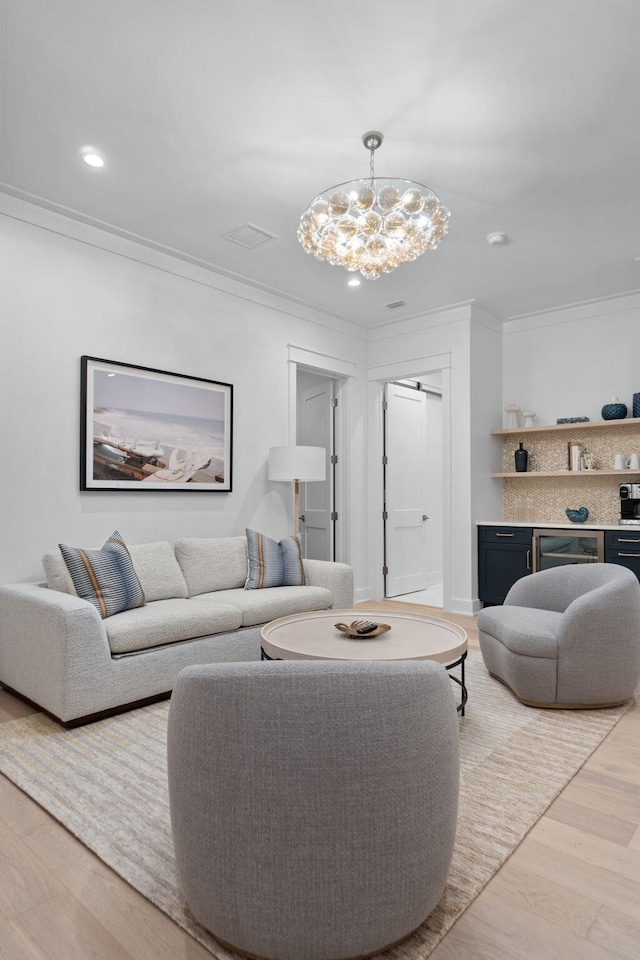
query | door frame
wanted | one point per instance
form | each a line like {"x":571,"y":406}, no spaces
{"x":413,"y":369}
{"x":343,"y":372}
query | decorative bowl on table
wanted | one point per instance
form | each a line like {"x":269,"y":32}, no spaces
{"x":362,"y":629}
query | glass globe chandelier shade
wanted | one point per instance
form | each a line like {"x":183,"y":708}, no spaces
{"x":375,"y":224}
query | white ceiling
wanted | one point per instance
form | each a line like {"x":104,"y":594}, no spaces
{"x":522,"y":115}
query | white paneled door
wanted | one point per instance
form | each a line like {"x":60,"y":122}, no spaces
{"x":405,"y":477}
{"x":316,"y":429}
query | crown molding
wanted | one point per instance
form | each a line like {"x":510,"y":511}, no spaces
{"x":572,"y":313}
{"x":59,"y":220}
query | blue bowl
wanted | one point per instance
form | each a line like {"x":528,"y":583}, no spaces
{"x":577,"y":516}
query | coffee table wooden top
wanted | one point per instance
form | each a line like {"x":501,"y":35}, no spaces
{"x":313,"y":636}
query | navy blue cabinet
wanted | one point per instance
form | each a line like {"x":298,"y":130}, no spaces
{"x":504,"y":556}
{"x":623,"y":547}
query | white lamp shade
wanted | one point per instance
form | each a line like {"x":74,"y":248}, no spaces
{"x":297,"y":463}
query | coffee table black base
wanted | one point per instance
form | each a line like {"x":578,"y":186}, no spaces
{"x":449,"y":666}
{"x":460,"y":681}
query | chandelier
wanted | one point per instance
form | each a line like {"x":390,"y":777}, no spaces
{"x":373,"y":225}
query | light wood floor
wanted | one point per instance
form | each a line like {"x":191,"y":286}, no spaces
{"x":571,"y":890}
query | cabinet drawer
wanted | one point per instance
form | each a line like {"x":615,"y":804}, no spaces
{"x":623,"y":541}
{"x":506,"y":534}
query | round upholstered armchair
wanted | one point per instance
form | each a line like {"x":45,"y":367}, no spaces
{"x":567,"y":637}
{"x":313,"y":803}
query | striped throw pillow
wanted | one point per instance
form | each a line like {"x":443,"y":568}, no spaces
{"x":105,"y":577}
{"x":273,"y":564}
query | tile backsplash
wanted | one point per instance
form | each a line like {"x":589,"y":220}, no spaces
{"x":545,"y":499}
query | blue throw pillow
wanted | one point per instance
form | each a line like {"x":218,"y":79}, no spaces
{"x":105,"y":577}
{"x":273,"y":564}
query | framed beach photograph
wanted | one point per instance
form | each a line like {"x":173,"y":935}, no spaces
{"x":145,"y":429}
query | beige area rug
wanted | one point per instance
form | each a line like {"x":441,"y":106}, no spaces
{"x":106,"y":783}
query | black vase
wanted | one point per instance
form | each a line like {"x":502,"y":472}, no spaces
{"x":521,"y":458}
{"x":636,"y":405}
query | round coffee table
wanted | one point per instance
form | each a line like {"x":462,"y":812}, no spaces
{"x":313,"y":636}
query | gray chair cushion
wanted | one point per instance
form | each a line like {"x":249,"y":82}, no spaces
{"x":313,"y":803}
{"x":523,"y":630}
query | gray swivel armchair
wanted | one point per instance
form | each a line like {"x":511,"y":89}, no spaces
{"x":313,"y":803}
{"x":567,"y":637}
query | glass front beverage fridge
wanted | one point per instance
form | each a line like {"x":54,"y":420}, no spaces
{"x":554,"y":548}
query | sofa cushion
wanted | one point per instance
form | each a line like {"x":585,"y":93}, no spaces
{"x":155,"y":564}
{"x":273,"y":564}
{"x":105,"y":577}
{"x":213,"y":563}
{"x":158,"y":571}
{"x":56,"y":573}
{"x":169,"y":621}
{"x":271,"y":603}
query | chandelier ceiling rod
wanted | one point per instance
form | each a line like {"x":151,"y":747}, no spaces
{"x":372,"y":141}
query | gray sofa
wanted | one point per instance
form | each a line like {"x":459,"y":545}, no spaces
{"x":57,"y":652}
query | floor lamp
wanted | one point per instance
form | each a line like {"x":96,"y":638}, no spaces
{"x":297,"y":464}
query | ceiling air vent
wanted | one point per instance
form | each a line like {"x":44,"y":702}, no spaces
{"x":249,"y":236}
{"x":396,"y":304}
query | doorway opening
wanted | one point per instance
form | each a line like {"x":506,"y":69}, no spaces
{"x":413,"y":495}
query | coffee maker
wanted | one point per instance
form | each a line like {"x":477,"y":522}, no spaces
{"x":630,"y":503}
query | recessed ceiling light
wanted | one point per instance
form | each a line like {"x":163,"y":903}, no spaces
{"x":91,"y":157}
{"x":93,"y":160}
{"x":354,"y":282}
{"x":495,"y":239}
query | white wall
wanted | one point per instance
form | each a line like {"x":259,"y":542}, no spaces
{"x":570,"y":362}
{"x":486,"y":414}
{"x":67,"y":289}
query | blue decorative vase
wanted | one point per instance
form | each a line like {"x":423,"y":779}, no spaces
{"x":636,"y":405}
{"x":614,"y":410}
{"x":577,"y":516}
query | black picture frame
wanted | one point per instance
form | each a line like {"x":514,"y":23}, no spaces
{"x":152,"y":430}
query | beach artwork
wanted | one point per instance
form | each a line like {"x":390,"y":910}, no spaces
{"x":145,"y":429}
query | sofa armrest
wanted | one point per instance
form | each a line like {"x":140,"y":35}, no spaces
{"x":335,"y":577}
{"x":53,"y":649}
